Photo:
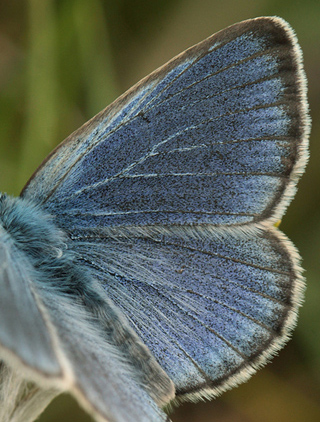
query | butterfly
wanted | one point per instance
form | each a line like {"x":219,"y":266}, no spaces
{"x":141,"y":265}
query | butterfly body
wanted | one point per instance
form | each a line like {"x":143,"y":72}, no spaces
{"x":144,"y":246}
{"x":58,"y":271}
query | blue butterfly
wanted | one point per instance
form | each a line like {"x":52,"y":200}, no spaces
{"x":141,"y":265}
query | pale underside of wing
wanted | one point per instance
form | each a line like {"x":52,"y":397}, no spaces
{"x":25,"y":337}
{"x":95,"y":370}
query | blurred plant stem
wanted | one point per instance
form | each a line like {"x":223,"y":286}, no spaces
{"x":44,"y":92}
{"x":95,"y":55}
{"x":41,"y":120}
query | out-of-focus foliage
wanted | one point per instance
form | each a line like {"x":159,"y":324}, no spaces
{"x":63,"y":61}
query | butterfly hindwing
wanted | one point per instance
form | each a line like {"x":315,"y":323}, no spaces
{"x":211,"y":306}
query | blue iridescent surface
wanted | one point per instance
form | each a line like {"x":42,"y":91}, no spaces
{"x":162,"y":209}
{"x":210,"y":142}
{"x":210,"y":304}
{"x":207,"y":143}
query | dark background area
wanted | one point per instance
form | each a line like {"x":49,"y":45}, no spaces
{"x":63,"y":61}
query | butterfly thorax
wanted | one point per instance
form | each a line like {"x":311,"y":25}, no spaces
{"x":29,"y":231}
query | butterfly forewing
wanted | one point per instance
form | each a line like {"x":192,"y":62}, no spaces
{"x":212,"y":137}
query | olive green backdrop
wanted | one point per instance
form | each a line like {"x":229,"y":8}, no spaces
{"x":63,"y":61}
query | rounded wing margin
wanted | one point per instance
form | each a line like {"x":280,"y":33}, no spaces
{"x":212,"y":305}
{"x":216,"y":136}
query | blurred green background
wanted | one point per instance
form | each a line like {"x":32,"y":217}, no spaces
{"x":63,"y":61}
